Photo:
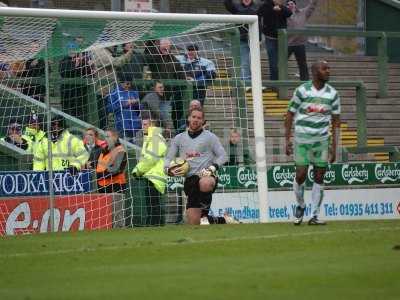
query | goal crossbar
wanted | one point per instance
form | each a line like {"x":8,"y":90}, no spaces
{"x":133,"y":16}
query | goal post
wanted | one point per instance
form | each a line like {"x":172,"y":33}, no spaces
{"x":77,"y":40}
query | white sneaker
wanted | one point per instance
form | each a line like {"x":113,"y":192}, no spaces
{"x":230,"y":220}
{"x":204,"y":221}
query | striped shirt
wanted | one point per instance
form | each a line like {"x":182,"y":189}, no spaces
{"x":313,"y":111}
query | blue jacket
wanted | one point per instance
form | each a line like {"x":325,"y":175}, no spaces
{"x":200,"y":69}
{"x":127,"y":117}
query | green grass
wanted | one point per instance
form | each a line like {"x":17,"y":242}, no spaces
{"x":344,"y":260}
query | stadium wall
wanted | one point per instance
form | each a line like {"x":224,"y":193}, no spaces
{"x":374,"y":21}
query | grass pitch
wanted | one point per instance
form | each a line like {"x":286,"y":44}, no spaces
{"x":343,"y":260}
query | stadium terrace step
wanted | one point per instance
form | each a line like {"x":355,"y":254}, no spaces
{"x":383,"y":113}
{"x":381,"y":157}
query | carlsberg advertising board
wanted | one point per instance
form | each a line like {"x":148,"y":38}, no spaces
{"x":281,"y":176}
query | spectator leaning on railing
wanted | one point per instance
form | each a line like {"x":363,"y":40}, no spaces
{"x":297,"y":43}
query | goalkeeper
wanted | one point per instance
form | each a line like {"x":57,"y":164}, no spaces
{"x":205,"y":154}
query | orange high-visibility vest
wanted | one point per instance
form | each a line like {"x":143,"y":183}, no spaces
{"x":106,"y":160}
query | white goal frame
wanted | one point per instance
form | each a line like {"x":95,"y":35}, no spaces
{"x":254,"y":45}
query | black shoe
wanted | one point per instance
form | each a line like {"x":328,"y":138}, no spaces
{"x":315,"y":221}
{"x":299,"y":213}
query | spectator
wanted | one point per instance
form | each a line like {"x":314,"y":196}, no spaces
{"x":297,"y":43}
{"x":5,"y":69}
{"x":75,"y":64}
{"x":198,"y":69}
{"x":14,"y":135}
{"x":237,"y":154}
{"x":234,"y":148}
{"x":150,"y":169}
{"x":274,"y":16}
{"x":33,"y":132}
{"x":74,"y":96}
{"x":163,"y":66}
{"x":111,"y":165}
{"x":194,"y":104}
{"x":93,"y":146}
{"x":124,"y":103}
{"x":133,"y":69}
{"x":158,"y":106}
{"x":68,"y":151}
{"x":34,"y":67}
{"x":244,"y":7}
{"x":105,"y":63}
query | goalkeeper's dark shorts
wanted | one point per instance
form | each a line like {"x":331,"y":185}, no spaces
{"x":197,"y":199}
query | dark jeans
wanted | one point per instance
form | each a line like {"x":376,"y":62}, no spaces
{"x":199,"y":92}
{"x":300,"y":55}
{"x":272,"y":51}
{"x":175,"y":95}
{"x":101,"y":109}
{"x":155,"y":212}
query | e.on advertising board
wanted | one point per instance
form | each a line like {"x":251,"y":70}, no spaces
{"x":23,"y":215}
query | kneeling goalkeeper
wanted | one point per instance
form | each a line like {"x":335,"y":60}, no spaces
{"x":205,"y":154}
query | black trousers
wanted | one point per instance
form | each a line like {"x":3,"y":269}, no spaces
{"x":155,"y":210}
{"x":300,"y":55}
{"x":175,"y":95}
{"x":74,"y":101}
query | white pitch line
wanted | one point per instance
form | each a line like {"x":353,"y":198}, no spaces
{"x":188,"y":241}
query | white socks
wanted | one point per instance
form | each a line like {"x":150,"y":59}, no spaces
{"x":317,"y":195}
{"x":299,"y":192}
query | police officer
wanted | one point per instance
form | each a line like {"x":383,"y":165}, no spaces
{"x":68,"y":151}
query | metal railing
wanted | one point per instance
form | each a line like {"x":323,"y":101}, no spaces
{"x":381,"y":37}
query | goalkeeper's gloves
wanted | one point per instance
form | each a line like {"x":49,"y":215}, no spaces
{"x":210,"y":171}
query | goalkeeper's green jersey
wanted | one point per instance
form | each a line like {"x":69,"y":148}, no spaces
{"x":313,"y":111}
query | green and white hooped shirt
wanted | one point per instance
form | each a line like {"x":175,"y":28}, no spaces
{"x":313,"y":111}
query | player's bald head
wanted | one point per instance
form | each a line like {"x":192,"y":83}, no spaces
{"x":320,"y":71}
{"x":315,"y":67}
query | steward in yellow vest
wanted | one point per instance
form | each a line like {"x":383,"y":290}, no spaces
{"x":151,"y":169}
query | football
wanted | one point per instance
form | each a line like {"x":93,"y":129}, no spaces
{"x":178,"y":163}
